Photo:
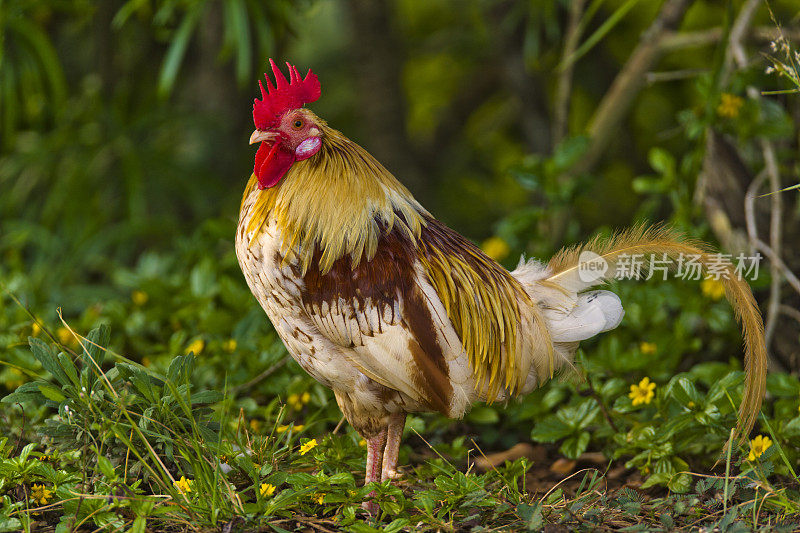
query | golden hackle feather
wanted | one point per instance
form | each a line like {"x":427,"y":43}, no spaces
{"x":646,"y":240}
{"x":481,"y":300}
{"x":332,"y":201}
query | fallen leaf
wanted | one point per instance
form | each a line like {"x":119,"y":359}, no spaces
{"x":563,"y":466}
{"x":493,"y":460}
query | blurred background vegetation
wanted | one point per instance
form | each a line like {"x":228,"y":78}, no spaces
{"x":525,"y":125}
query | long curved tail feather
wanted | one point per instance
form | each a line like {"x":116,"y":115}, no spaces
{"x":568,"y":271}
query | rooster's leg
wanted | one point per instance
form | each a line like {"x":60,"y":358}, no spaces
{"x":375,"y":447}
{"x":394,"y":433}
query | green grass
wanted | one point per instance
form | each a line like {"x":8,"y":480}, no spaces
{"x":125,"y":435}
{"x":168,"y":370}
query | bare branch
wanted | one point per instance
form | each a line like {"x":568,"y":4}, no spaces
{"x":790,"y":312}
{"x":617,"y":101}
{"x":564,"y":87}
{"x":752,"y":232}
{"x":737,"y":54}
{"x":672,"y":41}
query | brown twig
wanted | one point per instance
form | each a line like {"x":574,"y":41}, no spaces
{"x":673,"y":41}
{"x":737,"y":54}
{"x":673,"y":75}
{"x":564,"y":87}
{"x":338,"y":426}
{"x":620,"y":96}
{"x":790,"y":312}
{"x":599,"y":400}
{"x":752,"y":232}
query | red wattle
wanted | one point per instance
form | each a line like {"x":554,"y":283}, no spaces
{"x":272,"y":162}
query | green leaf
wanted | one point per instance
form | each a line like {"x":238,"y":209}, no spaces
{"x":680,"y":483}
{"x":662,"y":161}
{"x":727,"y":383}
{"x":550,"y":429}
{"x":45,"y":354}
{"x":10,"y":524}
{"x":792,"y":429}
{"x":483,"y":415}
{"x":46,"y":55}
{"x":106,"y":468}
{"x":783,"y":385}
{"x":26,"y":451}
{"x":397,"y":525}
{"x":207,"y":396}
{"x":98,"y":340}
{"x":676,"y":424}
{"x":683,"y":390}
{"x":69,"y":368}
{"x":238,"y":13}
{"x":599,"y":33}
{"x":139,"y":524}
{"x":177,"y":49}
{"x":660,"y":478}
{"x":342,"y":478}
{"x":570,"y":151}
{"x":51,"y":393}
{"x":573,"y":447}
{"x":25,"y":392}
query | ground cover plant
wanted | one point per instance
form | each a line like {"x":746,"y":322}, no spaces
{"x":143,"y":388}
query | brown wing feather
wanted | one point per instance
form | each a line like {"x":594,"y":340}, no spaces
{"x":386,"y":284}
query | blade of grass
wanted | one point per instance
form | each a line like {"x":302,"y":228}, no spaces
{"x":787,"y":188}
{"x":599,"y":33}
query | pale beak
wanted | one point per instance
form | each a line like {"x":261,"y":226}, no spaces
{"x":260,"y":136}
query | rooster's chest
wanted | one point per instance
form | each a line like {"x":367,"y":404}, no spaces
{"x":278,"y":286}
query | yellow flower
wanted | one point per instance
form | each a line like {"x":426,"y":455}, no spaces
{"x":183,"y":485}
{"x":64,"y":336}
{"x":308,"y":446}
{"x":16,"y":379}
{"x":496,"y":248}
{"x":39,"y":494}
{"x":643,"y":392}
{"x":712,"y":288}
{"x":318,"y":497}
{"x":729,"y":105}
{"x":196,"y":346}
{"x":267,"y":490}
{"x":146,"y":361}
{"x":35,"y":329}
{"x":255,"y":425}
{"x":297,"y":427}
{"x":297,"y":401}
{"x":648,"y":348}
{"x":229,"y":345}
{"x":362,"y":442}
{"x":139,"y":297}
{"x":758,"y":446}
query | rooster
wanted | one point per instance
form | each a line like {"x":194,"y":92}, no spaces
{"x":398,"y":313}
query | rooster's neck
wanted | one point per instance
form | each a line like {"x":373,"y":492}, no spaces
{"x":338,"y":202}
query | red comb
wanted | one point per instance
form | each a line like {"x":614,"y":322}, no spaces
{"x":284,"y":95}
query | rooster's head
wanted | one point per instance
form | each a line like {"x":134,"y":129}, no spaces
{"x":286,"y":131}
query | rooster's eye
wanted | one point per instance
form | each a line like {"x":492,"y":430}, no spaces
{"x":298,"y":124}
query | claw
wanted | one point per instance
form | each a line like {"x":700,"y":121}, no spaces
{"x":391,"y":474}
